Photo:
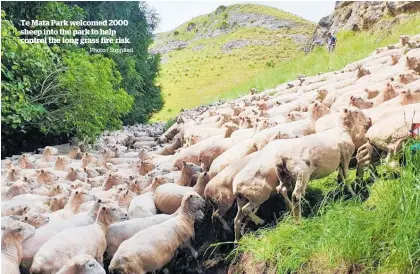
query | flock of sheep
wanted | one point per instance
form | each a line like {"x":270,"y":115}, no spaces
{"x":137,"y":193}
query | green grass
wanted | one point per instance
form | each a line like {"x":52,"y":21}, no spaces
{"x":380,"y":235}
{"x":191,"y":78}
{"x":351,"y":46}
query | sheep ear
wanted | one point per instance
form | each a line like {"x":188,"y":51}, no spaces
{"x":25,"y":209}
{"x":17,"y":230}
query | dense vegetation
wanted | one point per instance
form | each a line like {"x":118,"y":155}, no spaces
{"x":379,"y":235}
{"x":63,"y":90}
{"x":222,"y":54}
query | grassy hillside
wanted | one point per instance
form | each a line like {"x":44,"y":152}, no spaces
{"x":351,"y":46}
{"x":224,"y":49}
{"x":379,"y":235}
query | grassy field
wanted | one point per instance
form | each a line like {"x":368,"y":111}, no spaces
{"x":379,"y":235}
{"x":202,"y":71}
{"x":218,"y":77}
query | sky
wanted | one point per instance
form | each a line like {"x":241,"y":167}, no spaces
{"x":175,"y":13}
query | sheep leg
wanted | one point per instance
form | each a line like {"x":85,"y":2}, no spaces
{"x":283,"y":191}
{"x":301,"y":183}
{"x":249,"y":210}
{"x":188,"y":245}
{"x":222,"y":220}
{"x":239,"y":218}
{"x":343,"y":174}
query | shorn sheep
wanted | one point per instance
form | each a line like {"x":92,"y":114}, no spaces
{"x":13,"y":234}
{"x":168,"y":196}
{"x":90,"y":240}
{"x":293,"y":162}
{"x":152,"y":248}
{"x":82,"y":264}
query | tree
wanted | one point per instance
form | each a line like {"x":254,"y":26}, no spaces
{"x":140,"y":68}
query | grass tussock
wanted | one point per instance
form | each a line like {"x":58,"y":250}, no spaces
{"x":379,"y":235}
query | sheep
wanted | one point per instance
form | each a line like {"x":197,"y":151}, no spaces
{"x":61,"y":163}
{"x":34,"y":219}
{"x":151,"y":248}
{"x":169,"y":149}
{"x":168,"y":196}
{"x":46,"y":232}
{"x":75,"y":174}
{"x":82,"y":264}
{"x":13,"y":234}
{"x":58,"y":202}
{"x":26,"y":161}
{"x":293,"y":129}
{"x":119,"y":232}
{"x":144,"y":205}
{"x":293,"y":162}
{"x":188,"y":171}
{"x":16,"y":189}
{"x":77,"y":197}
{"x":74,"y":153}
{"x":232,"y":155}
{"x":89,"y":240}
{"x":405,"y":97}
{"x":219,"y":188}
{"x":47,"y":154}
{"x":389,"y":133}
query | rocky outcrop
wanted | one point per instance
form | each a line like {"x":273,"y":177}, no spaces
{"x":225,"y":20}
{"x":363,"y":15}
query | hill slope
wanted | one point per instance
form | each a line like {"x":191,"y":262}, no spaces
{"x":209,"y":55}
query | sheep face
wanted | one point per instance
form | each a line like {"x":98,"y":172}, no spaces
{"x":190,"y":168}
{"x":58,"y":202}
{"x":35,"y":219}
{"x":351,"y":117}
{"x":61,"y":163}
{"x":74,"y":152}
{"x":371,"y":93}
{"x":192,"y":202}
{"x":113,"y":214}
{"x":360,"y":103}
{"x":18,"y":231}
{"x":407,"y":77}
